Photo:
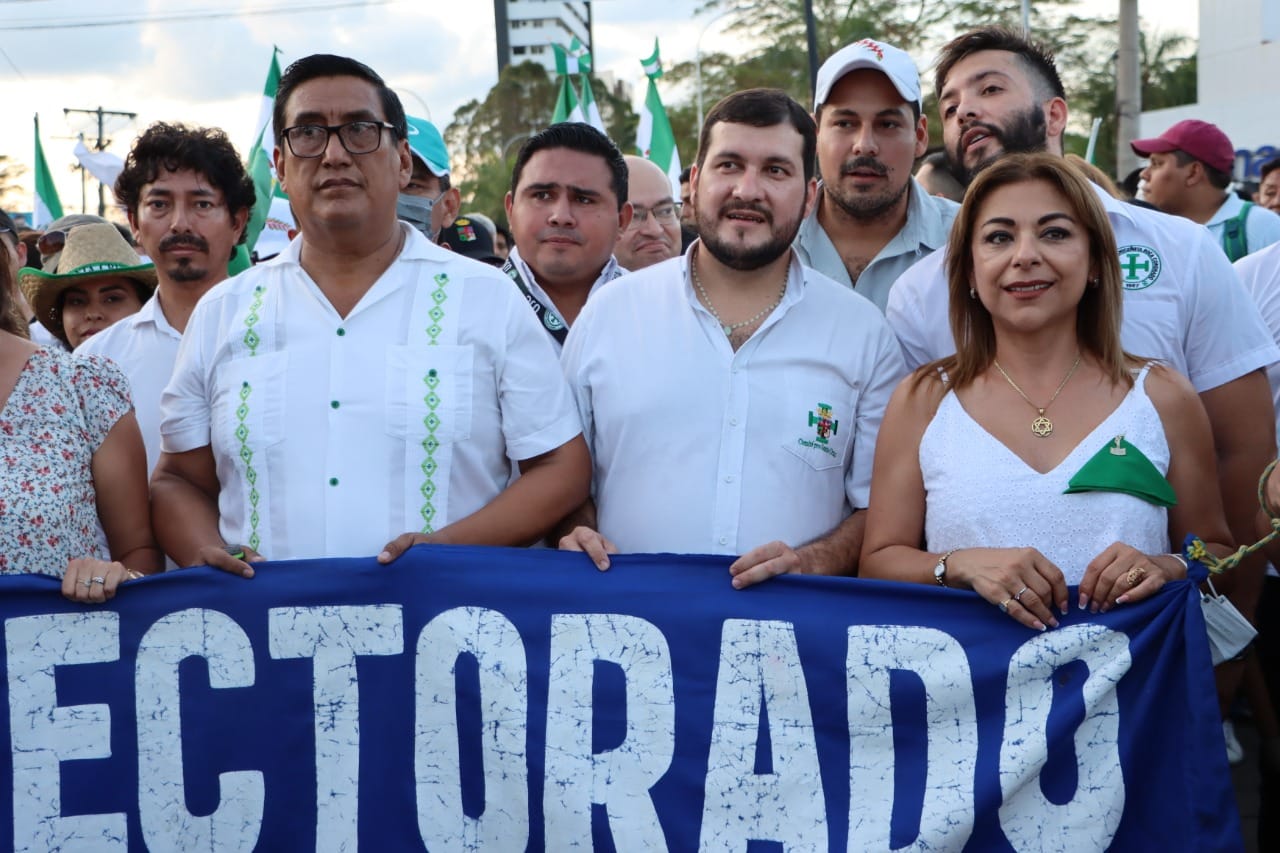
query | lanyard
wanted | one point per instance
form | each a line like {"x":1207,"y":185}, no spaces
{"x":550,"y":321}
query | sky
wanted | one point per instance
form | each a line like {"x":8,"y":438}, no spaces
{"x":209,"y":69}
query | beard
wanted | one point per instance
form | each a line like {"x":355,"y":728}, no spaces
{"x":745,"y":258}
{"x":865,"y":207}
{"x":185,"y":268}
{"x":1025,"y":132}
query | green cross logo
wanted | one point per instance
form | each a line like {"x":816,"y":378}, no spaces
{"x":1139,"y":267}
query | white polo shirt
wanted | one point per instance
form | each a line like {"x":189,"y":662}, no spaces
{"x":1261,"y":226}
{"x":145,"y":347}
{"x":333,"y":435}
{"x":1260,"y":273}
{"x":698,"y":449}
{"x":1183,"y":303}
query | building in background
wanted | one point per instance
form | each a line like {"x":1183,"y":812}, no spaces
{"x":1238,"y":64}
{"x":527,"y":28}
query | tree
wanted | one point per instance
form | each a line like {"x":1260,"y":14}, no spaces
{"x":919,"y":27}
{"x":486,"y":135}
{"x":1168,"y":64}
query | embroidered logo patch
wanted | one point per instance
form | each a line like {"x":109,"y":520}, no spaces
{"x":826,"y":425}
{"x":551,"y":321}
{"x":1139,"y":267}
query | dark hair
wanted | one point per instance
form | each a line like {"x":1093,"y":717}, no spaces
{"x":1218,"y":179}
{"x":1036,"y":58}
{"x":576,"y":136}
{"x":177,"y":147}
{"x":327,"y":65}
{"x":1099,"y":312}
{"x":684,"y":174}
{"x":763,"y":108}
{"x":10,"y":319}
{"x":1267,"y":168}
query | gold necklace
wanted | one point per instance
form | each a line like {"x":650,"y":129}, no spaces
{"x":1041,"y":426}
{"x":730,"y":328}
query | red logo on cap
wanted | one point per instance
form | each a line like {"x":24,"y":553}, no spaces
{"x":874,"y":47}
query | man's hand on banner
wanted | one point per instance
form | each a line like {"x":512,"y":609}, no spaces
{"x":592,"y":543}
{"x":233,"y":559}
{"x":763,"y":562}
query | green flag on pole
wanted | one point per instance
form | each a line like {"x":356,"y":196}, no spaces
{"x":572,"y":60}
{"x":567,"y":106}
{"x":655,"y":140}
{"x":590,"y":111}
{"x":260,"y":159}
{"x":47,"y":206}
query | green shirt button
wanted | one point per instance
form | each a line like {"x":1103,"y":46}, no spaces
{"x":333,"y":404}
{"x":341,"y":332}
{"x":333,"y":481}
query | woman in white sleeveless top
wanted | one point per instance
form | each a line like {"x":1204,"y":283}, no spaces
{"x":1041,"y":455}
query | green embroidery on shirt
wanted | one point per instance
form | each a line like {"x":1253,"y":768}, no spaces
{"x":251,"y":341}
{"x":430,"y":443}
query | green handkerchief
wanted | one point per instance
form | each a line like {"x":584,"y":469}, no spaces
{"x":1121,"y":467}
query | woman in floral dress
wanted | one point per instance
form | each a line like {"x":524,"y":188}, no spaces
{"x":71,"y":458}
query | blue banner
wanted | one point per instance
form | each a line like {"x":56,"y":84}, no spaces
{"x":472,"y":698}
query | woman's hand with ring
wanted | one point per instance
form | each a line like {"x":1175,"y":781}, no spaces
{"x":1121,"y":574}
{"x":92,"y":581}
{"x":1022,"y":582}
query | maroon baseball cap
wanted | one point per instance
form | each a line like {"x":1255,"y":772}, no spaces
{"x":1201,"y":140}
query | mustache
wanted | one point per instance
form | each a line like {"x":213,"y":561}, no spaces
{"x":849,"y":166}
{"x":991,"y":129}
{"x":566,"y":233}
{"x":748,"y":206}
{"x":189,"y":240}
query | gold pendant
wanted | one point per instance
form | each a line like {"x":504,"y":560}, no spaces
{"x":1042,"y":426}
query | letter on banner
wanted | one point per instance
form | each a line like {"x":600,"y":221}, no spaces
{"x":619,"y":778}
{"x":167,"y":824}
{"x":760,"y":658}
{"x":334,"y":636}
{"x":504,"y":704}
{"x":952,"y":745}
{"x":1030,"y":821}
{"x":43,"y":734}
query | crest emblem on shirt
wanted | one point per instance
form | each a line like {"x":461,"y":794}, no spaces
{"x":826,"y":426}
{"x":551,"y":321}
{"x":1139,"y":267}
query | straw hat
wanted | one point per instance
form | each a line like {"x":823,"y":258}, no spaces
{"x":92,"y":252}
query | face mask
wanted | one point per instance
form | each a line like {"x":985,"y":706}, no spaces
{"x":416,"y":210}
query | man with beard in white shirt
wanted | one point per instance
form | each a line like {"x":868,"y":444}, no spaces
{"x":731,"y":397}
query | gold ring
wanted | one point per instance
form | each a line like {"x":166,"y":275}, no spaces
{"x":1135,"y":576}
{"x":1004,"y":605}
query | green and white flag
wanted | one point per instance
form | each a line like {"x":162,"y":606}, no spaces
{"x":589,"y":108}
{"x":264,"y":180}
{"x":567,"y":106}
{"x":654,"y":138}
{"x":47,"y":206}
{"x":574,"y":60}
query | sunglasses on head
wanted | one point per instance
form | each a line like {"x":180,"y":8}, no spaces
{"x":51,"y":242}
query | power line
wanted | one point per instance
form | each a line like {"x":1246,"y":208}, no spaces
{"x":194,"y":15}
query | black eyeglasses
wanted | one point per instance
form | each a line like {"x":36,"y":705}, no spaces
{"x":358,"y":137}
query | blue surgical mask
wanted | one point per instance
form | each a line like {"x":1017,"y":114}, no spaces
{"x":416,"y":210}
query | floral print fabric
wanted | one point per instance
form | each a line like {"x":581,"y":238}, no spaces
{"x":56,"y":418}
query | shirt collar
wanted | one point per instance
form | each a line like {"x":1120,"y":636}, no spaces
{"x":1231,"y":206}
{"x":1112,"y":205}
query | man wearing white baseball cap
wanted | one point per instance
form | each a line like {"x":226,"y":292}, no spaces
{"x":872,"y":220}
{"x":430,"y":202}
